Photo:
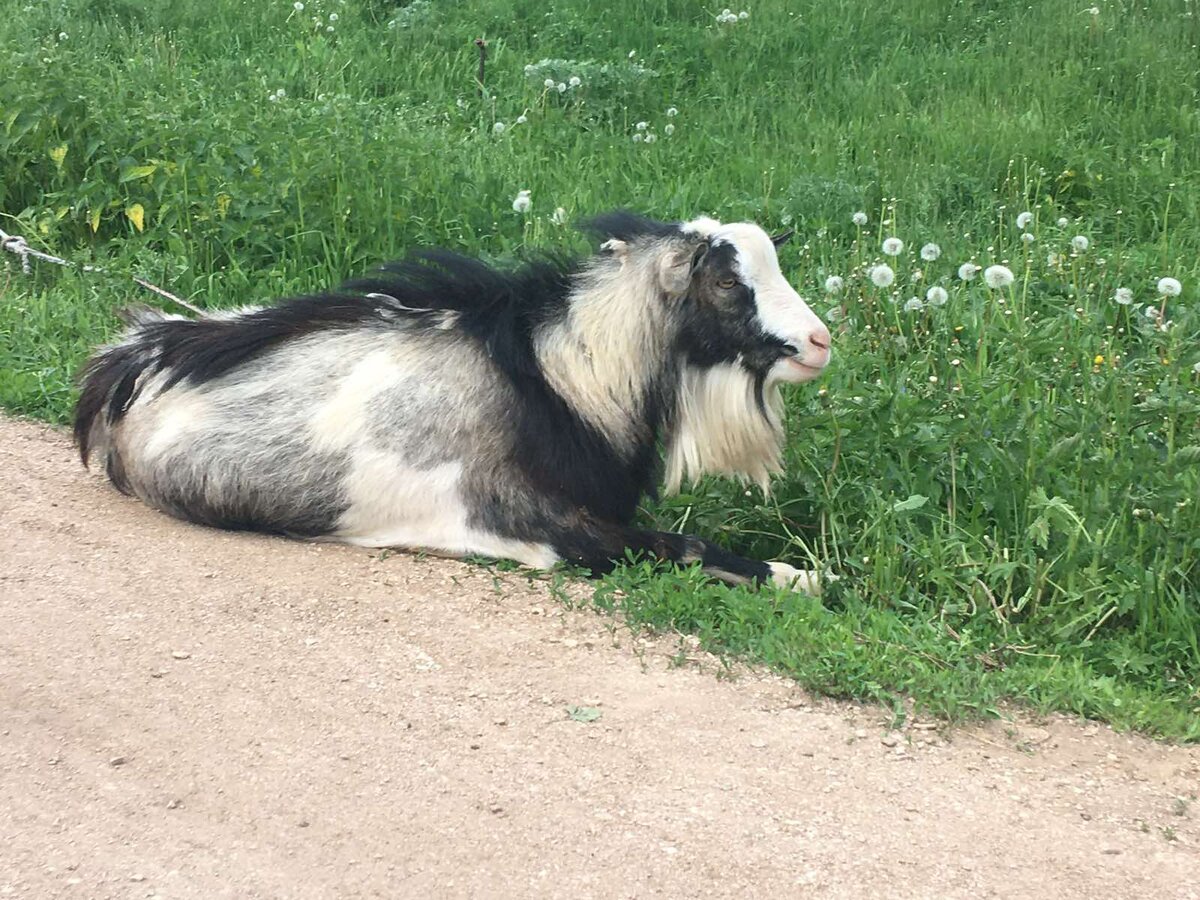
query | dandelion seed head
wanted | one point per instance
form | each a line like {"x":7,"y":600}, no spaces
{"x":672,"y":112}
{"x":1151,"y":311}
{"x":893,"y":246}
{"x":913,"y":304}
{"x":668,"y":129}
{"x":498,"y":128}
{"x":936,"y":296}
{"x":1123,"y":296}
{"x":930,"y":252}
{"x":642,"y":126}
{"x":1028,"y":237}
{"x":298,"y":6}
{"x":62,"y":36}
{"x":638,"y":137}
{"x":574,"y":81}
{"x":743,"y":15}
{"x":651,"y":137}
{"x":561,"y":87}
{"x":967,"y":271}
{"x":859,"y":219}
{"x":548,"y":84}
{"x":1080,"y":243}
{"x":882,"y":275}
{"x":1196,"y":368}
{"x":1169,"y":287}
{"x":834,"y":284}
{"x":998,"y":277}
{"x":559,"y":216}
{"x":522,"y":119}
{"x":522,"y":202}
{"x":1063,"y":222}
{"x":1024,"y":220}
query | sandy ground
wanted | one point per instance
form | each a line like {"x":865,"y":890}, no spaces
{"x":190,"y":713}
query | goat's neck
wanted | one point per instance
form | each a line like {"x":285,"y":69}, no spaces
{"x":608,"y":356}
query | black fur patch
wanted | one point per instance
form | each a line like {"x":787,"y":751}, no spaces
{"x":628,"y":226}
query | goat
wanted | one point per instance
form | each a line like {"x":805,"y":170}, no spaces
{"x":444,"y":404}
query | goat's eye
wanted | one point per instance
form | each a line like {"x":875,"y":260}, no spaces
{"x":727,"y":283}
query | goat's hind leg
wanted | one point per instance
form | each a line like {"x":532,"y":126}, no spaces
{"x":600,"y":546}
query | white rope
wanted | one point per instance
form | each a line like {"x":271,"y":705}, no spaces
{"x":17,"y":245}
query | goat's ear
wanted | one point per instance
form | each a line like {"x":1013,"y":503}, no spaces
{"x":783,"y":237}
{"x":616,"y":248}
{"x":676,"y":268}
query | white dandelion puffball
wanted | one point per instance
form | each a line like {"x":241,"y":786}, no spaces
{"x":574,"y":81}
{"x":642,"y":126}
{"x":522,"y":202}
{"x":967,"y":271}
{"x":882,"y":275}
{"x":62,"y":35}
{"x":672,"y":112}
{"x":548,"y":84}
{"x":1196,"y":368}
{"x":1053,"y":260}
{"x":1169,"y":287}
{"x":1080,"y":243}
{"x":561,"y":87}
{"x":638,"y":137}
{"x":1028,"y":237}
{"x":743,"y":15}
{"x":1124,"y":296}
{"x":913,"y":304}
{"x":521,"y":119}
{"x":859,"y":219}
{"x":1063,"y":222}
{"x":498,"y":128}
{"x":298,"y":6}
{"x":559,"y":216}
{"x":1024,"y":220}
{"x":893,"y":246}
{"x":936,"y":296}
{"x":834,"y":284}
{"x":930,"y":252}
{"x":998,"y":277}
{"x":1151,"y":311}
{"x":668,"y":129}
{"x":651,"y":137}
{"x":333,"y":17}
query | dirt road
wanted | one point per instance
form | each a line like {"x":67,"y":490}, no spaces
{"x":188,"y":713}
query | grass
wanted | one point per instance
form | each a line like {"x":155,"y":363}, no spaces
{"x":1006,"y":485}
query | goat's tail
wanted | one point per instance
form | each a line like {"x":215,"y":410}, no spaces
{"x":108,"y":386}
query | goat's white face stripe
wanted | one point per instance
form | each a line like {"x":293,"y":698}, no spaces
{"x":781,"y":311}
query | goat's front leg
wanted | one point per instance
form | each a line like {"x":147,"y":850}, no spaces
{"x":599,"y":546}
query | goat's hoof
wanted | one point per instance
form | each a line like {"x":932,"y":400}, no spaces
{"x":805,"y":581}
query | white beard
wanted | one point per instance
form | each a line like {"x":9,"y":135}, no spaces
{"x":720,"y":429}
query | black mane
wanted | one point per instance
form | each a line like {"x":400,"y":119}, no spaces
{"x":628,"y":226}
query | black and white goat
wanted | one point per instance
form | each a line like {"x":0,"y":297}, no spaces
{"x":446,"y":405}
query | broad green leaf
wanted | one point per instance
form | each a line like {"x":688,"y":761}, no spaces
{"x":915,"y":501}
{"x":135,"y":172}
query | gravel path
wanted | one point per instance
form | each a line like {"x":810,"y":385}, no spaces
{"x":190,"y":713}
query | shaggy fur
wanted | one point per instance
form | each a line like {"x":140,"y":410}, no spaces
{"x":445,"y":404}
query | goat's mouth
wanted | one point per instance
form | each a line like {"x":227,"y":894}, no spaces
{"x":793,"y":369}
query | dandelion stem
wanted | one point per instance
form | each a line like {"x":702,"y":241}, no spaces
{"x":482,"y":45}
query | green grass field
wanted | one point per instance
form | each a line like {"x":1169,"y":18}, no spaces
{"x":1007,"y":484}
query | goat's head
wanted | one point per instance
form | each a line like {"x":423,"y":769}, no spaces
{"x":741,"y":308}
{"x":736,"y":305}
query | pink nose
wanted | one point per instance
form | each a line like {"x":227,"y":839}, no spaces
{"x":820,"y":338}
